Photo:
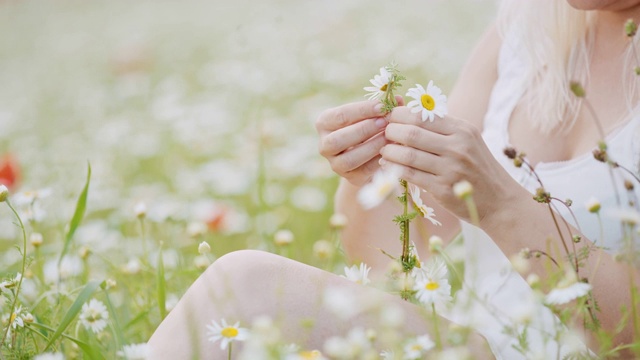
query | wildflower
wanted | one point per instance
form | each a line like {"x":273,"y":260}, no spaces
{"x":625,"y":215}
{"x":35,"y":239}
{"x":384,"y":182}
{"x":201,"y":262}
{"x":4,"y":193}
{"x":196,"y":229}
{"x":283,"y":237}
{"x":593,"y":205}
{"x":227,"y":333}
{"x":110,"y":283}
{"x":423,"y":209}
{"x":323,"y":249}
{"x":70,"y":266}
{"x":357,"y":274}
{"x":435,"y":243}
{"x":417,"y":348}
{"x":431,"y":284}
{"x":533,"y":280}
{"x":94,"y":316}
{"x":577,"y":89}
{"x":630,"y":28}
{"x":520,"y":262}
{"x":140,"y":210}
{"x":26,"y":198}
{"x":338,"y":221}
{"x":204,"y":248}
{"x":569,"y":288}
{"x":430,"y":102}
{"x":306,"y":355}
{"x":16,"y":320}
{"x":28,"y":318}
{"x":135,"y":351}
{"x":9,"y":171}
{"x":462,"y":189}
{"x":387,"y":355}
{"x":132,"y":267}
{"x":356,"y":345}
{"x":380,"y":84}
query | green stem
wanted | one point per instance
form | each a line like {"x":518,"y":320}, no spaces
{"x":230,"y":346}
{"x":435,"y":327}
{"x":405,"y":223}
{"x":24,"y":264}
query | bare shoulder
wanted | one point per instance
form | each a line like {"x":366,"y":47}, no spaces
{"x":469,"y":97}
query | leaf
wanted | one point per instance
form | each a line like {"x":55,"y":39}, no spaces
{"x":75,"y":308}
{"x":89,"y":350}
{"x":81,"y":205}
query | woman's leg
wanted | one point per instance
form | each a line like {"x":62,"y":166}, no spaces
{"x":243,"y":285}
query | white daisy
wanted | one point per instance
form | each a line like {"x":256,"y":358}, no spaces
{"x":430,"y":102}
{"x":94,"y":316}
{"x":135,"y":352}
{"x":417,"y":348}
{"x":431,"y":284}
{"x":569,"y":288}
{"x":384,"y":182}
{"x":380,"y":84}
{"x":593,"y":205}
{"x":357,"y":274}
{"x":306,"y":355}
{"x":387,"y":355}
{"x":227,"y":333}
{"x":426,"y":212}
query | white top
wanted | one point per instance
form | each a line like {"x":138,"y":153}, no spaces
{"x":495,"y":296}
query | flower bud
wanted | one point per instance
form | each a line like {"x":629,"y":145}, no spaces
{"x":323,"y":249}
{"x":462,"y":189}
{"x":204,"y":248}
{"x":435,"y":243}
{"x":201,"y":262}
{"x":283,"y":237}
{"x":110,"y":283}
{"x":630,"y":28}
{"x":4,"y":193}
{"x":628,"y":185}
{"x":84,"y":252}
{"x":533,"y":280}
{"x":36,"y":239}
{"x":196,"y":229}
{"x":28,"y":318}
{"x":510,"y":152}
{"x":577,"y":89}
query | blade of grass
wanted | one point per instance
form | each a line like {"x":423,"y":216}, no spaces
{"x":86,"y":348}
{"x":78,"y":215}
{"x":75,"y":308}
{"x":161,"y":284}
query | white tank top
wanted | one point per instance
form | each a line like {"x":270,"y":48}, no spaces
{"x":494,"y":296}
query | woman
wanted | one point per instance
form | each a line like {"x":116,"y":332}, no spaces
{"x":513,"y":92}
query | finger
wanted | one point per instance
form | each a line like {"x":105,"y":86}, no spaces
{"x":364,"y":173}
{"x":416,"y":137}
{"x":404,"y":115}
{"x":412,"y":175}
{"x":417,"y":159}
{"x":342,"y":139}
{"x":400,"y":100}
{"x":345,"y":115}
{"x":358,"y":155}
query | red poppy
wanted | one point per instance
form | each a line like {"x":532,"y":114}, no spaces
{"x":9,"y":171}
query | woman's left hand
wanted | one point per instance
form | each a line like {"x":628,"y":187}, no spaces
{"x":436,"y":155}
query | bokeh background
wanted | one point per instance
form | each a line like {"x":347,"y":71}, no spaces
{"x":201,"y":110}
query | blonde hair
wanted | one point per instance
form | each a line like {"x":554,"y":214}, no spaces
{"x":556,"y":44}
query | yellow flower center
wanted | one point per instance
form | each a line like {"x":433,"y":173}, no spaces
{"x":384,"y":189}
{"x":229,"y":332}
{"x":432,"y":285}
{"x":384,"y":87}
{"x":427,"y":102}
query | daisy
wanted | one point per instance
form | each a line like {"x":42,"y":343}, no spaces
{"x":432,"y":285}
{"x":423,"y":209}
{"x":380,"y":84}
{"x":384,"y":182}
{"x":357,"y":274}
{"x":430,"y":102}
{"x":306,"y":355}
{"x":227,"y":333}
{"x":417,"y":348}
{"x":569,"y":288}
{"x":94,"y":316}
{"x":135,"y":352}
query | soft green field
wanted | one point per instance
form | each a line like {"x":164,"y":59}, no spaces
{"x":204,"y":112}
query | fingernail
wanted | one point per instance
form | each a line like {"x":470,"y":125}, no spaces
{"x":382,"y":161}
{"x":381,"y":123}
{"x":378,"y":107}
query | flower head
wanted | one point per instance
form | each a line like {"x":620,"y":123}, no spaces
{"x":204,"y":248}
{"x":94,"y":316}
{"x":135,"y":352}
{"x":430,"y":101}
{"x":592,"y":205}
{"x":226,"y":333}
{"x":357,"y":274}
{"x":431,"y":284}
{"x":417,"y":348}
{"x":423,"y":209}
{"x":569,"y":288}
{"x":384,"y":182}
{"x":380,"y":84}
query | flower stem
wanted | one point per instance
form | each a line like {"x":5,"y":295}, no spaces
{"x":405,"y":222}
{"x":230,"y":346}
{"x":435,"y":327}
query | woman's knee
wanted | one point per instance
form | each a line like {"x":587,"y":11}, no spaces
{"x":243,"y":265}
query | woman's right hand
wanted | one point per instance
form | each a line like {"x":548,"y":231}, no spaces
{"x":351,"y":137}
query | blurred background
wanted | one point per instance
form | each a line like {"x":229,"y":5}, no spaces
{"x":197,"y":120}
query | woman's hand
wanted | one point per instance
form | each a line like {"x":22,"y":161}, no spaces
{"x":436,"y":155}
{"x":351,"y":137}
